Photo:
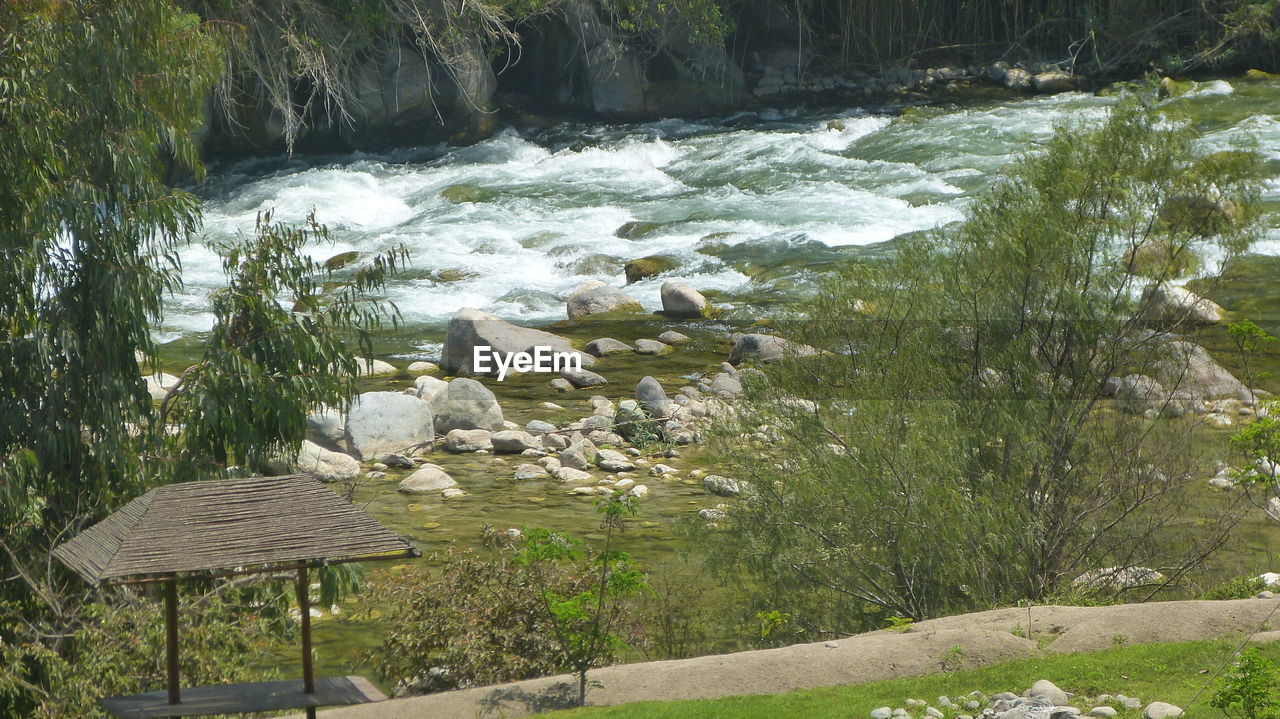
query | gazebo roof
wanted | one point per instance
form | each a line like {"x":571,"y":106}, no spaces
{"x":228,"y":525}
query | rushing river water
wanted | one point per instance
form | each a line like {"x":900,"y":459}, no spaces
{"x":744,"y":203}
{"x":748,"y":205}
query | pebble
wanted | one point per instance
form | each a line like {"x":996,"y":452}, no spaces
{"x":1103,"y":712}
{"x":831,"y":645}
{"x":934,"y":712}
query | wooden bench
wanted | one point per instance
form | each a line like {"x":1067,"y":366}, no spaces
{"x":245,"y":698}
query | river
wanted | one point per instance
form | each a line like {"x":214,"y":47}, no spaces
{"x":748,"y":205}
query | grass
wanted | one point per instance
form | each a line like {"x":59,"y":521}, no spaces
{"x":1172,"y":673}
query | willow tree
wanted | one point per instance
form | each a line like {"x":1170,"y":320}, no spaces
{"x":956,"y":446}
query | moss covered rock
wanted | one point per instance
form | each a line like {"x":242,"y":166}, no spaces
{"x":651,"y":266}
{"x":458,"y":194}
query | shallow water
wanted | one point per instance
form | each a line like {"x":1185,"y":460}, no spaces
{"x":749,"y":205}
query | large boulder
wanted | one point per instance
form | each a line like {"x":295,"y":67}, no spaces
{"x":326,"y":465}
{"x":323,"y":464}
{"x":380,"y":423}
{"x":465,"y":404}
{"x":427,"y":479}
{"x":681,"y":300}
{"x":327,"y":427}
{"x":1165,"y":304}
{"x":471,"y":328}
{"x":764,"y":348}
{"x":595,"y":297}
{"x":1189,"y":372}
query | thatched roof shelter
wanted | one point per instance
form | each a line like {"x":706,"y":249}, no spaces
{"x":225,"y":527}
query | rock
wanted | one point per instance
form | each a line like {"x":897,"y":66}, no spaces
{"x":712,"y":514}
{"x":633,"y":229}
{"x":1160,"y":710}
{"x":381,"y":423}
{"x":579,"y":455}
{"x":452,"y":493}
{"x":470,"y":328}
{"x":569,"y":474}
{"x":427,"y":386}
{"x":538,"y":426}
{"x":681,"y":300}
{"x":1129,"y":702}
{"x":612,"y":461}
{"x":651,"y":396}
{"x":514,"y":441}
{"x":530,"y":471}
{"x":933,"y":712}
{"x":1015,"y":78}
{"x":325,"y":465}
{"x":396,"y":460}
{"x":561,"y":384}
{"x":595,"y":297}
{"x":764,"y":348}
{"x":1190,"y":372}
{"x":1204,"y":214}
{"x":1053,"y":82}
{"x":1171,"y":88}
{"x":1118,"y":577}
{"x":374,"y":368}
{"x":420,"y":367}
{"x":1139,"y":394}
{"x":1047,"y":692}
{"x":639,"y":491}
{"x":881,"y":713}
{"x":466,"y":404}
{"x":429,"y":478}
{"x":647,"y":267}
{"x":606,"y":346}
{"x":1159,"y":260}
{"x":672,"y":337}
{"x":551,"y":406}
{"x":726,"y":385}
{"x":662,"y":470}
{"x":722,"y":486}
{"x":1164,"y":304}
{"x":328,"y":428}
{"x":583,"y":378}
{"x":652,"y":347}
{"x":586,"y":491}
{"x":159,"y":384}
{"x":1270,"y":579}
{"x":623,"y":484}
{"x":1103,"y":712}
{"x":461,"y":193}
{"x":555,"y":441}
{"x":468,"y":440}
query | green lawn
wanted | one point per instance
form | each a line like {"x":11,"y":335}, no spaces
{"x":1152,"y":672}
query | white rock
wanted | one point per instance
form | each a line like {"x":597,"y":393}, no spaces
{"x":374,"y":368}
{"x":569,"y":474}
{"x":421,"y":367}
{"x":530,"y":471}
{"x":429,"y":478}
{"x":326,"y":465}
{"x":1161,"y":710}
{"x":381,"y":423}
{"x":159,"y":384}
{"x":1047,"y":692}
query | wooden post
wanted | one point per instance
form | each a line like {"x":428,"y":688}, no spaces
{"x":171,"y":636}
{"x":304,"y":612}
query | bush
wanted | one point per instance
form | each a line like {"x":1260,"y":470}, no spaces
{"x":1251,"y":690}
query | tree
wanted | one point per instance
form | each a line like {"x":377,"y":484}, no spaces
{"x":959,"y":442}
{"x":95,"y":99}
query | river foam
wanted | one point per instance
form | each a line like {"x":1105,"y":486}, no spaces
{"x":724,"y":197}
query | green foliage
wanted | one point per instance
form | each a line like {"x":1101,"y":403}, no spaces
{"x":1238,"y":588}
{"x":475,"y":618}
{"x":114,"y":649}
{"x":283,"y":344}
{"x":545,"y":603}
{"x":1251,"y":690}
{"x":956,"y":448}
{"x":584,"y":623}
